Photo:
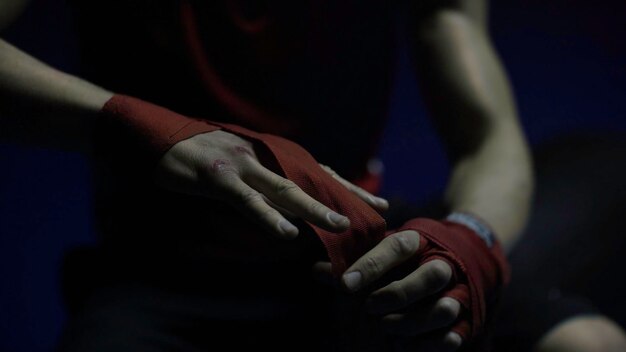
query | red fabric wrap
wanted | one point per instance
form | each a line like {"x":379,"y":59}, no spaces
{"x":479,"y":272}
{"x":290,"y":160}
{"x":158,"y":129}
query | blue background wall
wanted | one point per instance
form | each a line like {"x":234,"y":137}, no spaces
{"x":566,"y":59}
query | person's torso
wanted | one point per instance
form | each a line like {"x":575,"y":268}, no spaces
{"x":317,"y":72}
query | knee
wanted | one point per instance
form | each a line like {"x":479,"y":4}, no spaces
{"x":584,"y":334}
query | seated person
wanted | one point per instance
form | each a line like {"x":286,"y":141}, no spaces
{"x":181,"y":201}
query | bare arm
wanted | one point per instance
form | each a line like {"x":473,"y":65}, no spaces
{"x":472,"y":105}
{"x":42,"y":106}
{"x":473,"y":109}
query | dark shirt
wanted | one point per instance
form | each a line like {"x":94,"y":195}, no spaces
{"x":322,"y":69}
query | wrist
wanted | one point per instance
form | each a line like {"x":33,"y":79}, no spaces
{"x":96,"y":98}
{"x":155,"y":128}
{"x":134,"y":134}
{"x":474,"y":223}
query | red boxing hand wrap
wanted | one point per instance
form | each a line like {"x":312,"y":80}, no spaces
{"x":154,"y":130}
{"x":290,"y":160}
{"x":137,"y":133}
{"x":479,"y":272}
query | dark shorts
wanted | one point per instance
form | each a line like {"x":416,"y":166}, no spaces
{"x":569,"y":257}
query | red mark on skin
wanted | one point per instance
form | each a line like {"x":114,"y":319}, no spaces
{"x":219,"y":165}
{"x":243,"y":150}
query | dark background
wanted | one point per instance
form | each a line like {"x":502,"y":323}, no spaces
{"x":566,"y":60}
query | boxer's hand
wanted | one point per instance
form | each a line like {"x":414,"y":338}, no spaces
{"x":401,"y":303}
{"x":223,"y":166}
{"x":377,"y":203}
{"x":408,"y":306}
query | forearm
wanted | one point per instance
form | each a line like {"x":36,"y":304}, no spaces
{"x":43,"y":106}
{"x":473,"y":108}
{"x":495,"y":183}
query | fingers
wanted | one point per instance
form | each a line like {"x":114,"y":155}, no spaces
{"x":289,"y":215}
{"x":375,"y":202}
{"x":426,"y":280}
{"x":435,"y":316}
{"x":287,"y":195}
{"x":223,"y":166}
{"x":389,"y":253}
{"x":252,"y":204}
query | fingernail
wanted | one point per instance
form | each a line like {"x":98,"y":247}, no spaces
{"x":287,"y":228}
{"x":352,"y":280}
{"x":337,"y":219}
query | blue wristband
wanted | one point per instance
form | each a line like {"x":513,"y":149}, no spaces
{"x":475,"y":224}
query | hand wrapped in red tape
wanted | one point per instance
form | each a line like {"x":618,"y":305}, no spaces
{"x":479,"y":271}
{"x":260,"y":174}
{"x":438,"y":281}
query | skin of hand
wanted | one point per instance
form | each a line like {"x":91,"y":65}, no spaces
{"x":399,"y":304}
{"x":222,"y":166}
{"x":473,"y":110}
{"x":58,"y":110}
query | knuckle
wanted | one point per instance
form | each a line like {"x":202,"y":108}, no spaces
{"x":250,"y":198}
{"x":399,"y":294}
{"x":222,"y":168}
{"x":439,"y":273}
{"x":227,"y":173}
{"x":286,"y":186}
{"x":373,"y":266}
{"x":316,"y":208}
{"x":403,"y":245}
{"x":225,"y":181}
